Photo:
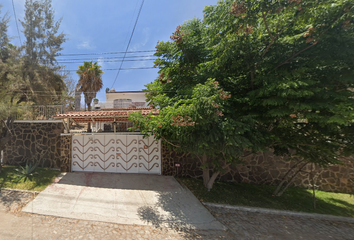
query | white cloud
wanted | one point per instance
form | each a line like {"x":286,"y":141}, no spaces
{"x":101,"y":62}
{"x":143,"y":40}
{"x":85,"y":45}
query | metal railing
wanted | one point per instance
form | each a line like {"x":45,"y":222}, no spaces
{"x":38,"y":112}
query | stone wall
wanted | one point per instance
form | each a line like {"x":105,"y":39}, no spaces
{"x":36,"y":142}
{"x":266,"y":168}
{"x":42,"y":142}
{"x":65,"y":150}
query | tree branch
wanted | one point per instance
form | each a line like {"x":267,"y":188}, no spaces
{"x":266,"y":24}
{"x":293,"y":56}
{"x":170,"y":142}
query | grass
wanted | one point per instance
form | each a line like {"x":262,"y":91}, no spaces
{"x":9,"y":179}
{"x":294,"y":199}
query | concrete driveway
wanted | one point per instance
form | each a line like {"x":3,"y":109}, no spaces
{"x":124,"y":199}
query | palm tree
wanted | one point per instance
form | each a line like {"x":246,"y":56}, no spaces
{"x":90,"y":83}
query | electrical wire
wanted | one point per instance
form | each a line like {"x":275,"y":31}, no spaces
{"x":104,"y":53}
{"x":114,"y":69}
{"x":129,"y":60}
{"x":18,"y":31}
{"x":131,"y":36}
{"x":98,"y":58}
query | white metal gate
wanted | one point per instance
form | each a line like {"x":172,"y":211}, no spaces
{"x":115,"y":153}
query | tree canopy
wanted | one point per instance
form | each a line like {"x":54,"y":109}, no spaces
{"x":90,"y":81}
{"x":29,"y":74}
{"x":255,"y":75}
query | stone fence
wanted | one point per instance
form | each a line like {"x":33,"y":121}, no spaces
{"x":266,"y":168}
{"x":36,"y":142}
{"x":43,"y":142}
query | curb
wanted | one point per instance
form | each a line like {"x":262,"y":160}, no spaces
{"x":282,"y":212}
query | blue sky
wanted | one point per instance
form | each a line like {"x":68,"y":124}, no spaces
{"x":101,"y":26}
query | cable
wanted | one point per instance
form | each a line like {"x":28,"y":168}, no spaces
{"x":131,"y":36}
{"x":18,"y":32}
{"x":129,"y":60}
{"x":113,"y":69}
{"x":104,"y":53}
{"x":86,"y":59}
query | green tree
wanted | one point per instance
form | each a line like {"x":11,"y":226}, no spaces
{"x":4,"y":39}
{"x":29,"y":74}
{"x":257,"y":75}
{"x":41,"y":73}
{"x":90,"y":82}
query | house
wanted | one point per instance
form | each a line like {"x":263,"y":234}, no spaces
{"x":123,"y":100}
{"x":112,"y":115}
{"x":111,"y":147}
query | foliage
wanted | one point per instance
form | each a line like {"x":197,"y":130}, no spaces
{"x":29,"y":74}
{"x":4,"y":39}
{"x":43,"y":42}
{"x":295,"y":199}
{"x":9,"y":179}
{"x":26,"y":172}
{"x":90,"y":81}
{"x":255,"y":75}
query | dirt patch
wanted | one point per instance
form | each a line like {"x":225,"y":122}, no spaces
{"x":14,"y":200}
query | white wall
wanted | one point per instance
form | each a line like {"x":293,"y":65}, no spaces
{"x":134,"y":96}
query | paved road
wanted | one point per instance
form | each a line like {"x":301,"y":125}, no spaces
{"x":242,"y":225}
{"x":256,"y":225}
{"x":32,"y":226}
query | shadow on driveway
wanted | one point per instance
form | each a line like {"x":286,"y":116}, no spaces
{"x":125,"y":199}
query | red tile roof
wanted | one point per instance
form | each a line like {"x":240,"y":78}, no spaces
{"x":117,"y":115}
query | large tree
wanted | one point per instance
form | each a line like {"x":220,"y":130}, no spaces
{"x":41,"y":72}
{"x":90,"y":82}
{"x":257,"y":75}
{"x":29,"y":74}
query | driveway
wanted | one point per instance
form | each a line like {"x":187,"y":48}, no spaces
{"x":124,"y":199}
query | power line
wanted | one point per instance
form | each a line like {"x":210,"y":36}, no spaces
{"x":131,"y":36}
{"x":113,"y":69}
{"x":99,"y":58}
{"x":18,"y":32}
{"x":104,"y":53}
{"x":107,"y":69}
{"x":129,"y":60}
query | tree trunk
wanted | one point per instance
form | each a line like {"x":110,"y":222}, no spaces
{"x":212,"y":180}
{"x":206,"y":170}
{"x":276,"y":191}
{"x":89,"y":123}
{"x":279,"y":193}
{"x":207,"y":180}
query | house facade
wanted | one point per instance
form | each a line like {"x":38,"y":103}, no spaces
{"x":123,"y":100}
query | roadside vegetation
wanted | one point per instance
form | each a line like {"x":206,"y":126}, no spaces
{"x":10,"y":178}
{"x":294,"y":199}
{"x":257,"y":75}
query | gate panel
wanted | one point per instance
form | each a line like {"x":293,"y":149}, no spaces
{"x":89,"y":159}
{"x":154,"y":156}
{"x":121,"y":154}
{"x":116,"y":153}
{"x":77,"y":163}
{"x":149,"y":155}
{"x":132,"y":154}
{"x":110,"y":153}
{"x":99,"y":152}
